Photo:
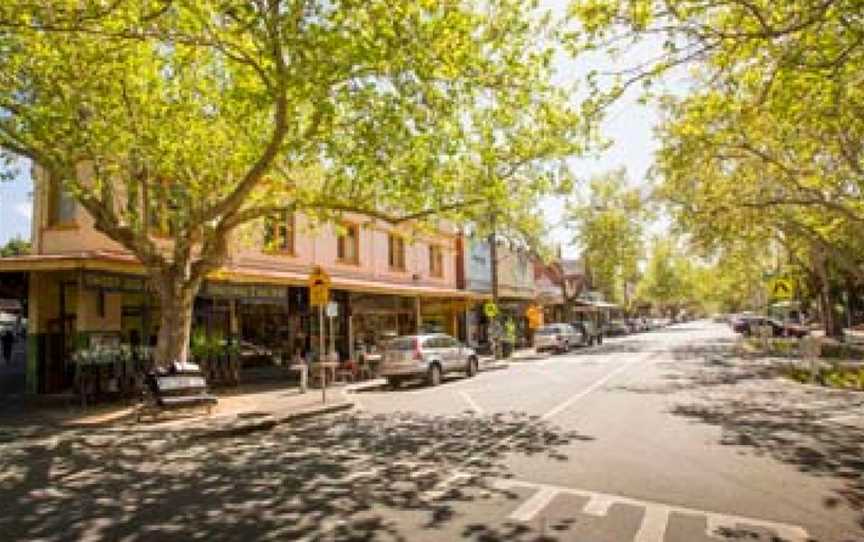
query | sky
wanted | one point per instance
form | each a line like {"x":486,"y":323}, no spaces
{"x":629,"y":125}
{"x":16,"y":207}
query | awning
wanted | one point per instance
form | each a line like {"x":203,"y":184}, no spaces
{"x":126,"y":263}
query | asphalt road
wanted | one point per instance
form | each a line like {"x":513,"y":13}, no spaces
{"x":664,"y":436}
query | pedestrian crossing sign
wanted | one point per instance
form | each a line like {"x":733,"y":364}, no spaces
{"x":781,"y":288}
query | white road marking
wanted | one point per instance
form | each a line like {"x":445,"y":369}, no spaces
{"x":534,"y":505}
{"x":653,"y":528}
{"x":471,"y":402}
{"x":442,"y":487}
{"x":592,"y":388}
{"x":598,"y":505}
{"x":655,"y":519}
{"x":550,"y":413}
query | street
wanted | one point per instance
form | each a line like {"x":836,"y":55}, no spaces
{"x":662,"y":436}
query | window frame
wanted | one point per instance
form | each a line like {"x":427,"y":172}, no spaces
{"x":436,"y":260}
{"x":398,"y":260}
{"x":340,"y":244}
{"x":281,"y":229}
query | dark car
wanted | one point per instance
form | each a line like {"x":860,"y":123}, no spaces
{"x":748,"y":326}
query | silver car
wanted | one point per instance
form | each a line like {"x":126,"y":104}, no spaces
{"x":426,"y":356}
{"x":556,"y":337}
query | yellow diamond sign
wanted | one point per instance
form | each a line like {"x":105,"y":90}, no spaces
{"x":319,"y":287}
{"x":781,"y":288}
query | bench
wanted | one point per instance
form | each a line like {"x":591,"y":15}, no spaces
{"x":175,"y":390}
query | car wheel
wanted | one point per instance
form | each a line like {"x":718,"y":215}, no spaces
{"x":393,"y":383}
{"x":434,"y":376}
{"x":599,"y":339}
{"x":472,"y":367}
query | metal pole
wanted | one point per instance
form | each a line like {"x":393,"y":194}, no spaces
{"x":332,"y":352}
{"x":321,"y":356}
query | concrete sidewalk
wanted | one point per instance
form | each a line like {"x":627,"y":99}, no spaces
{"x":242,"y":409}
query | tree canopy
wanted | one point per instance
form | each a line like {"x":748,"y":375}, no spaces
{"x":182,"y":120}
{"x":607,"y":223}
{"x":766,"y":146}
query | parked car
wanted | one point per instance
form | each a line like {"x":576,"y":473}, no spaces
{"x":741,"y":323}
{"x":617,"y":327}
{"x":636,"y":325}
{"x":747,"y":326}
{"x":556,"y":338}
{"x":429,"y":356}
{"x":591,"y":333}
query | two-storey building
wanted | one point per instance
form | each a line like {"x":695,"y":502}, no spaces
{"x":84,"y":288}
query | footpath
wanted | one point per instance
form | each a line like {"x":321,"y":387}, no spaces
{"x":240,"y":410}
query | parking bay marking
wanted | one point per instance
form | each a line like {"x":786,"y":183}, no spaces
{"x":655,"y":519}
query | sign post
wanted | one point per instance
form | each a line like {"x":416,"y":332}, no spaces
{"x":332,"y":312}
{"x":319,"y":295}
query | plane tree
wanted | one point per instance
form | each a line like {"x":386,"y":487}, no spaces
{"x":608,"y":222}
{"x":176,"y":123}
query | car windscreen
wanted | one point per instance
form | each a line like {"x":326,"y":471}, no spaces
{"x":547,"y":331}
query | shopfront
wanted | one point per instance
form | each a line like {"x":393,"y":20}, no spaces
{"x":376,"y":318}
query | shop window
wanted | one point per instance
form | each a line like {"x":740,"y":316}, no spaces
{"x":348,"y":244}
{"x":279,"y":233}
{"x":61,"y":205}
{"x":397,"y":252}
{"x":436,"y":261}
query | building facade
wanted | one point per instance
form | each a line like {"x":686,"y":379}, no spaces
{"x":85,"y":291}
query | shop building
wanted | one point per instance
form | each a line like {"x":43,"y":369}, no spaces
{"x":86,"y":291}
{"x":476,"y":279}
{"x":516,"y":289}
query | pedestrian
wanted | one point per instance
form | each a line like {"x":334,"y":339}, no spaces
{"x":8,"y":340}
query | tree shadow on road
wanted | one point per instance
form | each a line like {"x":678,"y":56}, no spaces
{"x":756,"y":410}
{"x":336,"y":477}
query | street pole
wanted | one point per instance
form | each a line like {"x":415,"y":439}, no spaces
{"x":332,"y":353}
{"x":493,"y":261}
{"x":321,"y":356}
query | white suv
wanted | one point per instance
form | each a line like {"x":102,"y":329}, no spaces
{"x":556,"y":337}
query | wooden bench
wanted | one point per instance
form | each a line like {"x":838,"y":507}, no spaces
{"x":173,"y":391}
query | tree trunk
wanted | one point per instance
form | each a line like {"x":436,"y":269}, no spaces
{"x":830,"y":318}
{"x":176,"y":300}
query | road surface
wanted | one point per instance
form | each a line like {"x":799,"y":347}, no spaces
{"x":658,"y":437}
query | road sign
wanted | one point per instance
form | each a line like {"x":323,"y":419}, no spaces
{"x":490,"y":309}
{"x":781,"y":288}
{"x":332,"y":310}
{"x":319,"y":287}
{"x":535,"y":316}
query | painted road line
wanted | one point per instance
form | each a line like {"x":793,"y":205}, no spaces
{"x":598,"y":506}
{"x":593,"y":387}
{"x":656,"y":517}
{"x":550,"y":413}
{"x":534,"y":505}
{"x":443,"y":487}
{"x":653,"y":527}
{"x":471,"y":402}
